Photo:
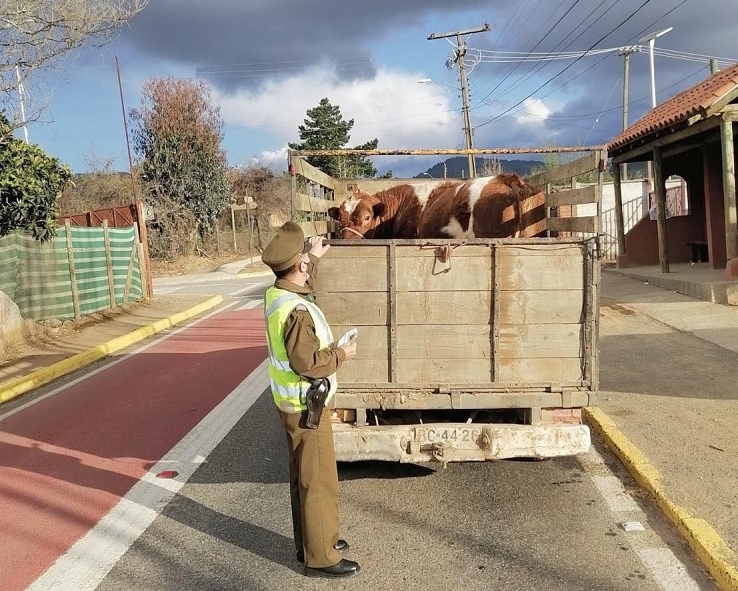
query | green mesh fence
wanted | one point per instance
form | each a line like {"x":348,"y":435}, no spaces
{"x":36,"y":275}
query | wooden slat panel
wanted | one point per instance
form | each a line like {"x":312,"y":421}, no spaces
{"x":566,"y":171}
{"x":429,"y":251}
{"x":311,"y":204}
{"x":443,"y":341}
{"x":345,"y":275}
{"x":541,"y":307}
{"x":310,"y":172}
{"x":444,"y":307}
{"x":350,"y":249}
{"x":562,"y":269}
{"x":443,"y":371}
{"x":542,"y":250}
{"x":371,"y":342}
{"x":315,"y":228}
{"x":573,"y":196}
{"x":429,"y":274}
{"x":566,"y":371}
{"x":363,"y":370}
{"x":363,"y":308}
{"x":585,"y":224}
{"x":523,"y":341}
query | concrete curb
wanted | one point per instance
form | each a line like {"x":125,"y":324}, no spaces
{"x":43,"y":376}
{"x":253,"y":274}
{"x":709,"y":547}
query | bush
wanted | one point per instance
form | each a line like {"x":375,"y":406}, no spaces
{"x":31,"y":184}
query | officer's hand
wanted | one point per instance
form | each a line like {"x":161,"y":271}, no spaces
{"x":350,"y":349}
{"x":318,"y":249}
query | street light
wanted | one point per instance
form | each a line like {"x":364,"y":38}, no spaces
{"x":651,"y":38}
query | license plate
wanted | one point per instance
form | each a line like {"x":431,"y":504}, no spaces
{"x":453,"y":436}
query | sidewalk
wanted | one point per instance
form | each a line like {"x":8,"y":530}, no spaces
{"x":668,"y":395}
{"x":668,"y":408}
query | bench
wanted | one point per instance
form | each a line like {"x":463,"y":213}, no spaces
{"x":699,"y":251}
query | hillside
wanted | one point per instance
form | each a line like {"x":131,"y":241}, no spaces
{"x":457,"y":166}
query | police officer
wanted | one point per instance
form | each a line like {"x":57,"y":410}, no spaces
{"x":302,"y":349}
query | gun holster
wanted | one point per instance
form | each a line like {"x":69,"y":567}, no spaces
{"x":315,"y":401}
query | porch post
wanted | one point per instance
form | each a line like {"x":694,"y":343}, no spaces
{"x":619,"y":223}
{"x":726,"y":139}
{"x":660,"y":193}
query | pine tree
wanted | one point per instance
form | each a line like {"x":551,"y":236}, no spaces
{"x":325,"y":128}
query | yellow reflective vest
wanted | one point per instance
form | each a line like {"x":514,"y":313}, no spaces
{"x":288,"y":388}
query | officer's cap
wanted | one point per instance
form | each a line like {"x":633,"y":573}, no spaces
{"x":286,"y":248}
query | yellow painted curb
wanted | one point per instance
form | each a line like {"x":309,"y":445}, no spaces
{"x":47,"y":374}
{"x":710,"y":548}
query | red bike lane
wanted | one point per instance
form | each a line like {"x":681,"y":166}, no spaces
{"x":67,"y":459}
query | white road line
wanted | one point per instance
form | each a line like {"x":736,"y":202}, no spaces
{"x":109,"y":362}
{"x":669,"y":573}
{"x":91,"y":558}
{"x":250,"y":305}
{"x":250,"y":288}
{"x":615,"y":495}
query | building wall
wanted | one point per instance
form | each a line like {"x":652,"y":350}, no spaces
{"x":642,"y":245}
{"x":635,"y":207}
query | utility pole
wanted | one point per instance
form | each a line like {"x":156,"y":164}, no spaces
{"x":459,"y":55}
{"x":625,"y":52}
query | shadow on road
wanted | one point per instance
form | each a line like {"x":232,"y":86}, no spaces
{"x":252,"y":538}
{"x":381,"y":470}
{"x":670,"y":364}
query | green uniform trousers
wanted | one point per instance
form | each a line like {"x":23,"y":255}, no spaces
{"x":313,"y":488}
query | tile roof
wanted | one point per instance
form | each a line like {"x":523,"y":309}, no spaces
{"x":688,"y":103}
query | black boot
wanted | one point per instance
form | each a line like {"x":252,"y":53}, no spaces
{"x":340,"y":545}
{"x":345,"y":568}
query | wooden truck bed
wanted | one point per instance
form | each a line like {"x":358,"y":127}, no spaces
{"x":467,"y":350}
{"x":482,"y":325}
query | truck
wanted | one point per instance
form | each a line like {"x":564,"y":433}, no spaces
{"x":467,"y":350}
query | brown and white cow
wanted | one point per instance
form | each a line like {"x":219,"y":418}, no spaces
{"x":485,"y":207}
{"x":393,"y":213}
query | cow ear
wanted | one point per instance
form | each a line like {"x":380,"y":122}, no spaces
{"x":333,"y":212}
{"x":378,"y":210}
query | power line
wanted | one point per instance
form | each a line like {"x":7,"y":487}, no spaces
{"x":605,"y":57}
{"x":570,"y":65}
{"x":513,"y":56}
{"x":630,"y":103}
{"x":534,"y":47}
{"x":535,"y":70}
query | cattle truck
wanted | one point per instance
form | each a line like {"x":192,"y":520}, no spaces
{"x":467,"y":350}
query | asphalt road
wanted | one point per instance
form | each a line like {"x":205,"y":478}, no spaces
{"x":515,"y":525}
{"x":508,"y":525}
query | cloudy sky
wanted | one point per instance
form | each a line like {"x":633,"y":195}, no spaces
{"x":269,"y":61}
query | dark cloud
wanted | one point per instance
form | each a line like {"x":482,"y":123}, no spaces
{"x":595,"y":84}
{"x":242,"y":42}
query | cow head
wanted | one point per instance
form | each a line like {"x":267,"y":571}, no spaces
{"x":359,"y":216}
